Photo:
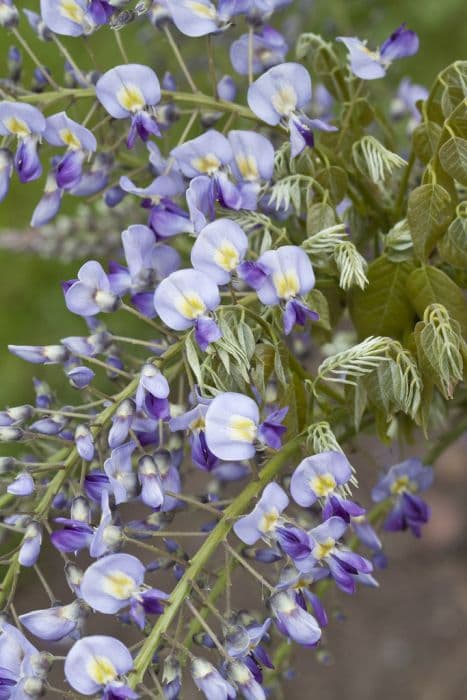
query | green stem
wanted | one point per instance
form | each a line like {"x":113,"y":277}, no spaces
{"x":197,"y":99}
{"x":204,"y":554}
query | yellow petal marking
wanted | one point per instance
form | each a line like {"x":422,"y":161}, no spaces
{"x":284,"y":100}
{"x":242,"y":429}
{"x":17,"y":127}
{"x":286,"y":284}
{"x":102,"y":670}
{"x":226,"y":256}
{"x":323,"y":484}
{"x":190,"y":305}
{"x":206,"y":164}
{"x":131,"y":98}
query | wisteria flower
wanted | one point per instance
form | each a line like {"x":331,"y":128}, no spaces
{"x":344,"y":565}
{"x":406,"y":99}
{"x":200,"y":17}
{"x":370,"y":65}
{"x":322,"y":476}
{"x":402,"y":483}
{"x":184,"y":299}
{"x":91,"y":293}
{"x":72,"y":17}
{"x":233,"y":427}
{"x":266,"y":516}
{"x":117,"y":581}
{"x":289,"y":277}
{"x":252,"y":164}
{"x":31,"y":544}
{"x":269,"y":49}
{"x":210,"y":682}
{"x":27,"y":123}
{"x":54,"y":623}
{"x":17,"y":656}
{"x":219,"y":249}
{"x":279,"y":96}
{"x":293,"y":621}
{"x":120,"y":473}
{"x":95,"y":664}
{"x":60,"y":130}
{"x":126,"y":92}
{"x":152,"y":392}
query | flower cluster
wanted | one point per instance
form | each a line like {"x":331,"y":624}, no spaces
{"x":205,"y":431}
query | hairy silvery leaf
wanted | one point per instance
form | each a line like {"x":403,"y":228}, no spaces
{"x":351,"y":265}
{"x":374,"y":160}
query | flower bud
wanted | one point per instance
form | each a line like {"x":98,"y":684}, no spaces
{"x":14,"y":63}
{"x":7,"y":464}
{"x":9,"y":15}
{"x":73,"y":576}
{"x":10,"y":434}
{"x":80,"y":510}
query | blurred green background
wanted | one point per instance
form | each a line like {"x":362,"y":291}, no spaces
{"x":31,"y":303}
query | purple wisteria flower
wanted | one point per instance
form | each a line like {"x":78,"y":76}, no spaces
{"x":117,"y":581}
{"x":323,"y":476}
{"x":40,"y":354}
{"x":31,"y":544}
{"x":60,"y":130}
{"x":258,"y":11}
{"x":18,"y":657}
{"x":266,"y":516}
{"x":293,"y":621}
{"x":73,"y":17}
{"x":402,"y":483}
{"x":119,"y":470}
{"x":279,"y":96}
{"x":91,"y":293}
{"x":233,"y":427}
{"x":405,"y":101}
{"x":152,"y":392}
{"x":289,"y":276}
{"x":22,"y":485}
{"x":27,"y":123}
{"x":184,"y":299}
{"x":201,"y":17}
{"x":6,"y":171}
{"x":344,"y":565}
{"x":128,"y":91}
{"x":210,"y":682}
{"x":219,"y":249}
{"x":95,"y":665}
{"x":53,"y":623}
{"x":148,"y":262}
{"x":252,"y":164}
{"x":370,"y":65}
{"x":269,"y":49}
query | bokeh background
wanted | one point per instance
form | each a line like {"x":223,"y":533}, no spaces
{"x":406,"y":640}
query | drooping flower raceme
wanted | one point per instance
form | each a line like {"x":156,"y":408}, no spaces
{"x":280,"y":96}
{"x":369,"y":65}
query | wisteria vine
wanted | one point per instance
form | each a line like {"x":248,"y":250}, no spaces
{"x":291,"y":262}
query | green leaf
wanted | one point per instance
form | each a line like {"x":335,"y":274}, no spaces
{"x":334,"y":180}
{"x":429,"y":211}
{"x":453,"y":157}
{"x":453,"y":246}
{"x":454,"y":78}
{"x":428,"y":285}
{"x":319,"y":216}
{"x":383,"y":307}
{"x":192,"y":358}
{"x":425,"y":139}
